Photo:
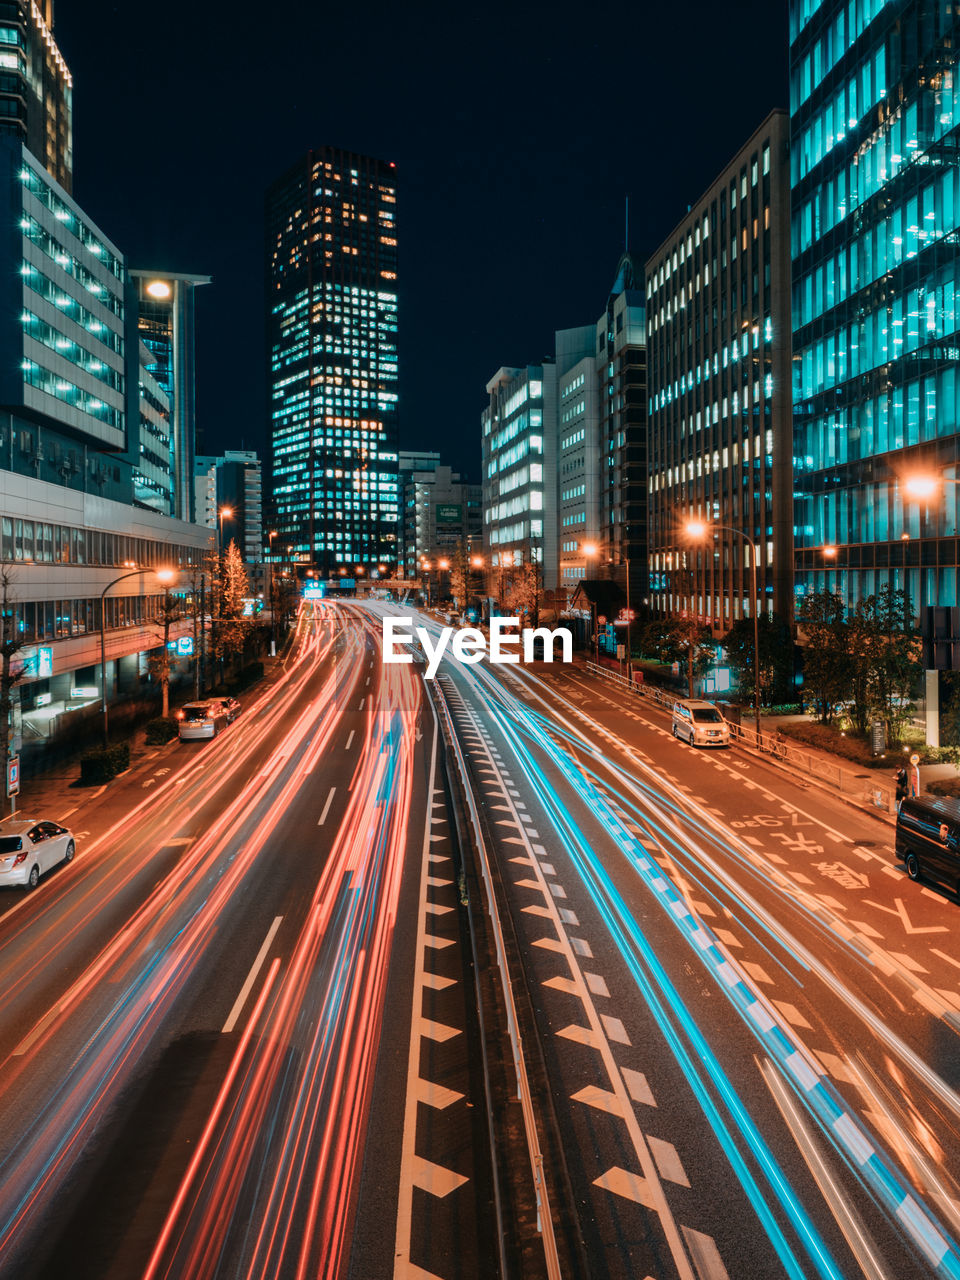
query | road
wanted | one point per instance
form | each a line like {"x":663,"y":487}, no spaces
{"x":749,"y":1012}
{"x":256,"y":1028}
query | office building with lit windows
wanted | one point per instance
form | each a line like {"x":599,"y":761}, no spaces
{"x":160,"y":311}
{"x":519,"y":473}
{"x":875,"y":124}
{"x":331,"y":244}
{"x":84,"y":498}
{"x":579,"y":469}
{"x":36,"y":87}
{"x":441,"y":514}
{"x":719,"y":393}
{"x":621,"y":354}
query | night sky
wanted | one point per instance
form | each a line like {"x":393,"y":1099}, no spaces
{"x":517,"y":131}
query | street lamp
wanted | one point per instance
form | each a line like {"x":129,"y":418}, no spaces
{"x":164,"y":576}
{"x":698,"y":530}
{"x":273,"y":595}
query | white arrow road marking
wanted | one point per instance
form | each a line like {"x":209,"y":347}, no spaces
{"x":901,"y":911}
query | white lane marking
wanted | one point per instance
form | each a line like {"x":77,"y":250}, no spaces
{"x":31,"y":1039}
{"x":349,"y":740}
{"x":238,"y":1004}
{"x":669,"y":1164}
{"x":706,"y":1255}
{"x":362,"y":701}
{"x":436,"y":1181}
{"x":326,"y":807}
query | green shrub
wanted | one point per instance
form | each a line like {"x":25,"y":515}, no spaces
{"x":825,"y":738}
{"x":105,"y":763}
{"x":161,"y":730}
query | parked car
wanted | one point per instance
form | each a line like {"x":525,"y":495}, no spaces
{"x":201,"y":720}
{"x":230,"y":706}
{"x":29,"y":848}
{"x":928,"y":839}
{"x":700,"y":723}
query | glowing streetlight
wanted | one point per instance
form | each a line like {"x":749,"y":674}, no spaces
{"x":830,"y":552}
{"x":921,"y":487}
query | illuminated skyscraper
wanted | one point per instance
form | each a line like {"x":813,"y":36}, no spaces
{"x":36,"y":87}
{"x":333,"y":377}
{"x":875,"y":133}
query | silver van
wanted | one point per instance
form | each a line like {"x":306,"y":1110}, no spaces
{"x":700,"y":724}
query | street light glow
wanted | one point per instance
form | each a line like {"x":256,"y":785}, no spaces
{"x":829,"y":551}
{"x":590,"y":548}
{"x":697,"y":528}
{"x":443,"y":564}
{"x":165,"y":575}
{"x":921,"y":486}
{"x":476,"y":562}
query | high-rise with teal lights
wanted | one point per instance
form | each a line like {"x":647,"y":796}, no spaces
{"x":875,"y":123}
{"x":331,"y":226}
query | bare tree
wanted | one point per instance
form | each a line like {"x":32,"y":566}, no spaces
{"x":170,"y":612}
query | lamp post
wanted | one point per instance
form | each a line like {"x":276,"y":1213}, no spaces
{"x":273,"y":595}
{"x":165,"y":576}
{"x":476,"y":562}
{"x":698,"y":530}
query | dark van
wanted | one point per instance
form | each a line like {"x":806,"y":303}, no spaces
{"x":928,"y":839}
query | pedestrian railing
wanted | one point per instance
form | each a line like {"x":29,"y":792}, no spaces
{"x":860,"y":786}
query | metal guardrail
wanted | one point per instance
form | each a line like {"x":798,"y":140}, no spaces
{"x":544,"y":1216}
{"x":863,"y":788}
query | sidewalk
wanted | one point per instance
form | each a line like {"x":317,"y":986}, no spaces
{"x":57,"y":793}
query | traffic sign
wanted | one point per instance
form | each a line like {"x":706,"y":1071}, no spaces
{"x":13,"y":776}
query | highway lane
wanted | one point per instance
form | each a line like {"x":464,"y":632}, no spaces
{"x":831,"y":1071}
{"x":94,"y":968}
{"x":268,"y":1026}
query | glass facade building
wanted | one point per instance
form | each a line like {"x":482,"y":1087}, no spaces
{"x":621,"y":353}
{"x":719,"y":430}
{"x":519,"y":475}
{"x":161,"y":310}
{"x":64,"y":336}
{"x":331,"y":229}
{"x":36,"y":87}
{"x":875,"y":119}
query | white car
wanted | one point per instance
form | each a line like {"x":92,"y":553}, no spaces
{"x":700,"y":723}
{"x":201,"y":720}
{"x":29,"y":848}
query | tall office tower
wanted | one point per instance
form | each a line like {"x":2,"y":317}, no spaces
{"x":36,"y":87}
{"x":875,"y":129}
{"x":580,"y":471}
{"x":331,"y":232}
{"x":719,"y":432}
{"x":240,"y":490}
{"x":160,"y":310}
{"x":622,"y":406}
